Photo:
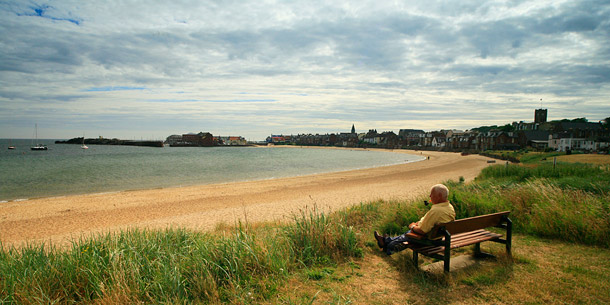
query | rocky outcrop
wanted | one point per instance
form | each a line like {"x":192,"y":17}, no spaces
{"x":104,"y":141}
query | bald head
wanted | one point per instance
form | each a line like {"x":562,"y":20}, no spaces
{"x":439,"y":193}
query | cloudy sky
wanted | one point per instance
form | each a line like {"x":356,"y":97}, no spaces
{"x":148,"y":69}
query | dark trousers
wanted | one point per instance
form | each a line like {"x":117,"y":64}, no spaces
{"x":395,"y":244}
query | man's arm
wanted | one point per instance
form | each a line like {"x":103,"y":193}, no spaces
{"x":414,"y":226}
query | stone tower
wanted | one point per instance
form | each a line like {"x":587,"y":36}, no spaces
{"x":540,"y":116}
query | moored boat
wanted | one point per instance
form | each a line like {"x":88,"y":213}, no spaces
{"x":38,"y":146}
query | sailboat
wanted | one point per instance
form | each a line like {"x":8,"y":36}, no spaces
{"x":84,"y":146}
{"x":38,"y":146}
{"x":10,"y":144}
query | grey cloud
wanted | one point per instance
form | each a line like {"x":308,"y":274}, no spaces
{"x":373,"y":58}
{"x":575,"y":17}
{"x":39,"y":49}
{"x":494,"y":38}
{"x":373,"y":43}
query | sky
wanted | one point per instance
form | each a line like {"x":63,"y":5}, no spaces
{"x":150,"y":69}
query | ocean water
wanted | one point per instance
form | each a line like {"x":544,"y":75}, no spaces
{"x":67,"y":169}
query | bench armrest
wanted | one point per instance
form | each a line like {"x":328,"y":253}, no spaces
{"x":416,"y":236}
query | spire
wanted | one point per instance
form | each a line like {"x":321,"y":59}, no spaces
{"x":353,"y":129}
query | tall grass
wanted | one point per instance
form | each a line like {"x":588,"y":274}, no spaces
{"x":540,"y":208}
{"x":173,"y":266}
{"x":315,"y":237}
{"x":137,"y":266}
{"x":570,"y":202}
{"x":576,"y":176}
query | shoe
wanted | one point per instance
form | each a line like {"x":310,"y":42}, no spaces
{"x":380,"y":240}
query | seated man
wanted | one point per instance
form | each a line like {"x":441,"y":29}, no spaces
{"x":441,"y":212}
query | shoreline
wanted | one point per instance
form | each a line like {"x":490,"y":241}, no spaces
{"x":57,"y":220}
{"x":144,"y":188}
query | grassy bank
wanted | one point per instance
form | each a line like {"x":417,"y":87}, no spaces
{"x":174,"y":266}
{"x":569,"y":202}
{"x":561,"y":253}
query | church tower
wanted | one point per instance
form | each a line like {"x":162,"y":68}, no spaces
{"x":540,"y":116}
{"x":353,"y":129}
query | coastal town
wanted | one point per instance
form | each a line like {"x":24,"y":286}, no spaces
{"x":541,"y":135}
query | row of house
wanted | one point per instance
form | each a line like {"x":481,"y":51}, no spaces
{"x":344,"y":139}
{"x":559,"y":136}
{"x":204,"y":139}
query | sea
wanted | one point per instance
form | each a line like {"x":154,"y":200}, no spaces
{"x":67,"y":169}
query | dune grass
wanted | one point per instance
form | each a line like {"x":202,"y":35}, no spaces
{"x":174,"y":266}
{"x":570,"y":201}
{"x":561,"y":250}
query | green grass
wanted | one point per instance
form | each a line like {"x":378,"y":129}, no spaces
{"x":174,"y":265}
{"x":523,"y":156}
{"x":570,"y":202}
{"x":561,"y":218}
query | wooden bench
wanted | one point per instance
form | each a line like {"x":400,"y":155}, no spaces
{"x":460,"y":233}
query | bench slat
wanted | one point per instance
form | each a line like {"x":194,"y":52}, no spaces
{"x":475,"y":239}
{"x":458,"y":237}
{"x":469,"y":224}
{"x":455,"y":238}
{"x":465,"y":239}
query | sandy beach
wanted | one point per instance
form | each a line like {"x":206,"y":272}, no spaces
{"x":61,"y":219}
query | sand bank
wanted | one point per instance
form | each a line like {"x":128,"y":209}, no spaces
{"x":58,"y":220}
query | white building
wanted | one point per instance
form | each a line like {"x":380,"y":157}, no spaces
{"x":581,"y":144}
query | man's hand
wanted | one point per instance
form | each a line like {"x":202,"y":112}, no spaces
{"x":415,"y":228}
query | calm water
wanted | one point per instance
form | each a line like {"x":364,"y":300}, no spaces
{"x":67,"y":169}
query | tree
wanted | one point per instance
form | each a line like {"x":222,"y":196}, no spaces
{"x":507,"y":128}
{"x":580,"y":120}
{"x":606,"y":123}
{"x":484,"y":128}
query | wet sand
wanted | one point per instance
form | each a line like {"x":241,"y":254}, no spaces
{"x":61,"y":219}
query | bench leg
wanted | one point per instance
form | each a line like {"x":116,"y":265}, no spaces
{"x":509,"y":235}
{"x":479,"y":254}
{"x":416,"y":259}
{"x":447,"y":258}
{"x":447,"y":253}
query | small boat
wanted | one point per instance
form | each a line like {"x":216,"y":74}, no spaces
{"x":10,"y":145}
{"x":38,"y":146}
{"x":84,"y":146}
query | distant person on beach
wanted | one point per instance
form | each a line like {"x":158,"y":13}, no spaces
{"x":441,"y":212}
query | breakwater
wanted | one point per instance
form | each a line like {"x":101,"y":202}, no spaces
{"x":104,"y":141}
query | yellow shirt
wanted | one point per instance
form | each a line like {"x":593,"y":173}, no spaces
{"x":439,"y":213}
